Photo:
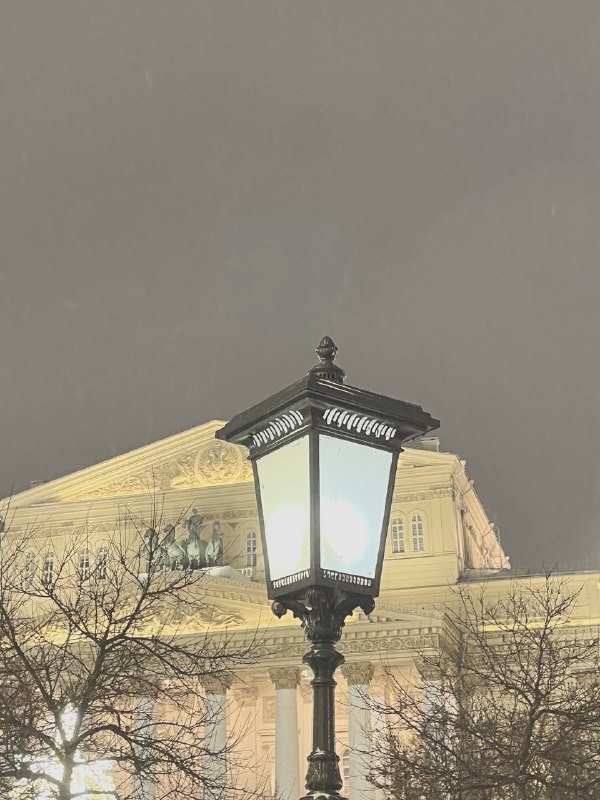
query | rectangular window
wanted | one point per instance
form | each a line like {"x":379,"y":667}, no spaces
{"x":84,"y":565}
{"x":30,"y":567}
{"x":397,"y":536}
{"x":48,"y":570}
{"x":251,"y":549}
{"x":418,"y":538}
{"x":102,"y":563}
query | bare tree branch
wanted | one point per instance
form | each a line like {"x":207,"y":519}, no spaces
{"x":511,"y":709}
{"x":98,"y":670}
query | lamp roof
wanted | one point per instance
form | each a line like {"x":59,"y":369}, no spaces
{"x":323,"y":387}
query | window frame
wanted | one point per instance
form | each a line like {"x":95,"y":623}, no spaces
{"x":417,"y":537}
{"x":251,"y":548}
{"x":30,"y":567}
{"x":48,"y":574}
{"x":395,"y":539}
{"x":84,"y":567}
{"x":101,"y":562}
{"x":345,"y":770}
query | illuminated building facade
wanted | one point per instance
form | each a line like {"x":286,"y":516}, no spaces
{"x":439,"y":535}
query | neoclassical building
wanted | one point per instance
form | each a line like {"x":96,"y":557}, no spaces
{"x":439,"y":535}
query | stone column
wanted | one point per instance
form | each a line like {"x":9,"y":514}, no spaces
{"x":437,"y":711}
{"x":287,"y":781}
{"x":246,"y":735}
{"x":358,"y":676}
{"x":215,"y":688}
{"x":379,"y":688}
{"x":143,"y":716}
{"x":433,"y":702}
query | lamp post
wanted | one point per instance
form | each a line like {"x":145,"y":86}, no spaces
{"x":324,"y":457}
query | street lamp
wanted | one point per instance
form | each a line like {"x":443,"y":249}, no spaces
{"x":324,"y":457}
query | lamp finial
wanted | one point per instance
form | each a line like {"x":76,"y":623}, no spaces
{"x":327,"y":370}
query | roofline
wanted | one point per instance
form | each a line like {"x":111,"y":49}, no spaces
{"x":511,"y":574}
{"x":104,"y":468}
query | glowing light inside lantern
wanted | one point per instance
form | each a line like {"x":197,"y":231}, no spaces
{"x":354,"y":480}
{"x":285,"y":497}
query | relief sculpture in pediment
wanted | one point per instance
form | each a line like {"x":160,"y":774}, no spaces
{"x":215,"y":464}
{"x":157,"y":478}
{"x":219,"y":462}
{"x":185,"y":475}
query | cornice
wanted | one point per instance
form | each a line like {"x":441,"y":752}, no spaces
{"x":247,"y":593}
{"x":416,"y":497}
{"x":410,"y":612}
{"x":389,"y":642}
{"x":101,"y":515}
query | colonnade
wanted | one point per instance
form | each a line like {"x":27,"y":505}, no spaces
{"x":289,"y":768}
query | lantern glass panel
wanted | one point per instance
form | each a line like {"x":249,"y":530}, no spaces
{"x":354,"y":480}
{"x":283,"y":477}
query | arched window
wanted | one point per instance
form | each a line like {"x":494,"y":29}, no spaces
{"x":346,"y":772}
{"x":251,"y":549}
{"x":29,"y":567}
{"x":102,"y":562}
{"x":397,"y":535}
{"x":418,"y":538}
{"x":48,"y":569}
{"x":84,"y":565}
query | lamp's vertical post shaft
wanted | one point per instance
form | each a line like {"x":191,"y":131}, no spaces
{"x":323,"y":775}
{"x":323,"y":613}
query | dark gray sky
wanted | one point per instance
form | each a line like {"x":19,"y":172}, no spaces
{"x":193,"y":193}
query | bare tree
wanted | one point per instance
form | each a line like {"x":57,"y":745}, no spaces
{"x":100,"y":677}
{"x":507,"y":709}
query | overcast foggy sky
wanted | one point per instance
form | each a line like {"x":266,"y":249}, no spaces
{"x":193,"y":193}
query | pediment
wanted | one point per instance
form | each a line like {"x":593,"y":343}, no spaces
{"x":193,"y":459}
{"x":188,"y":460}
